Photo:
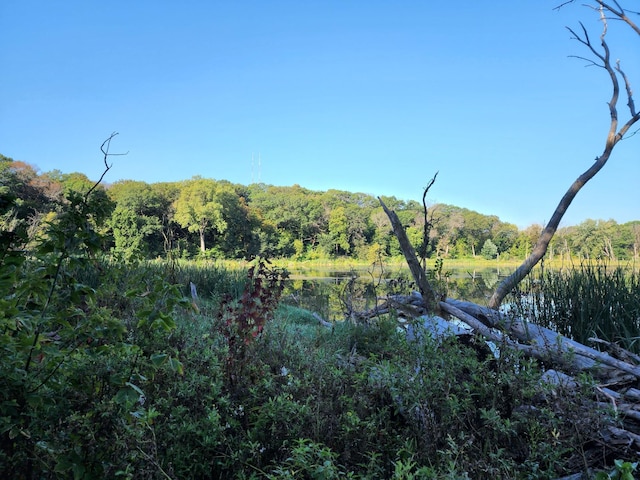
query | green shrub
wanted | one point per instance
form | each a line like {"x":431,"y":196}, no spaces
{"x":72,"y":378}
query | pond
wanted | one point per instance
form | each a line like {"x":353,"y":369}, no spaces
{"x":331,"y":292}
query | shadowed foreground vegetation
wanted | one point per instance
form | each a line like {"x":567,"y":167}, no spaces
{"x":109,"y":371}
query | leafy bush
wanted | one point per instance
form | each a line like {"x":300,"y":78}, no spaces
{"x":72,"y":378}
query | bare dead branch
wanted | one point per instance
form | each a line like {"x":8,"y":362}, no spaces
{"x":585,"y":40}
{"x":635,"y":132}
{"x":627,"y":86}
{"x":613,"y":137}
{"x":620,"y":13}
{"x":563,"y":4}
{"x":104,"y":148}
{"x":427,"y":223}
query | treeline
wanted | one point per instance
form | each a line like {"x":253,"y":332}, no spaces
{"x":209,"y":218}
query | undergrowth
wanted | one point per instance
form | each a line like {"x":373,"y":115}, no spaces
{"x":110,"y":369}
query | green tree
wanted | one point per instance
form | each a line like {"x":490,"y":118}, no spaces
{"x":240,"y":238}
{"x":597,"y":239}
{"x":339,"y":230}
{"x":137,"y":196}
{"x":489,"y":249}
{"x":628,"y":244}
{"x":19,"y":188}
{"x":8,"y":193}
{"x":477,"y":228}
{"x":167,"y":194}
{"x":525,"y":241}
{"x":130,"y":231}
{"x":198,"y":208}
{"x":415,"y":234}
{"x":461,"y":248}
{"x":136,"y":218}
{"x":298,"y":246}
{"x":360,"y":230}
{"x":504,"y":235}
{"x":289,"y":213}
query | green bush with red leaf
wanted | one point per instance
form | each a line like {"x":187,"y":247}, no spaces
{"x":243,"y":320}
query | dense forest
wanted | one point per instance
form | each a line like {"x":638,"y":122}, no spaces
{"x":207,"y":218}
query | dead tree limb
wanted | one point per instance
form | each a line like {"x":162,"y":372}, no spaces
{"x":418,"y":273}
{"x":540,"y":342}
{"x":426,"y":229}
{"x":603,"y":60}
{"x":104,"y":148}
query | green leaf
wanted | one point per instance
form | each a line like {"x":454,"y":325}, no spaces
{"x":135,"y":388}
{"x":129,"y":394}
{"x":157,"y":359}
{"x":176,"y":365}
{"x":168,"y":323}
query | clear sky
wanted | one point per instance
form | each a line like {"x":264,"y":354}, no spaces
{"x":370,"y":97}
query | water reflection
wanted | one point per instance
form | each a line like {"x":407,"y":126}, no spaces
{"x":334,"y":293}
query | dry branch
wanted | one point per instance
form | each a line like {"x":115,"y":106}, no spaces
{"x":419,"y":275}
{"x":618,"y":371}
{"x":613,"y":137}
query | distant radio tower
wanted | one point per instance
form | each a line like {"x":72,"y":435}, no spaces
{"x":253,"y":167}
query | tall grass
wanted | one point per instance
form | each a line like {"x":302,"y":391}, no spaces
{"x":591,"y":300}
{"x":211,"y":278}
{"x":114,"y":278}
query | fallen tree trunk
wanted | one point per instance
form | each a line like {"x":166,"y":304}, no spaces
{"x":553,"y":346}
{"x":527,"y":337}
{"x":617,"y":371}
{"x":534,"y":340}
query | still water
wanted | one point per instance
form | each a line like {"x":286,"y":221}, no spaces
{"x":332,"y":292}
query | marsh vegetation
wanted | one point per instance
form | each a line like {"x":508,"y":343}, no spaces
{"x":110,"y":371}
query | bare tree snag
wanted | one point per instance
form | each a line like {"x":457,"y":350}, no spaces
{"x":104,"y":148}
{"x":419,"y":275}
{"x":426,"y":229}
{"x":603,"y":60}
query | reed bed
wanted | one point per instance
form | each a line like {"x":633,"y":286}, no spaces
{"x":212,"y":280}
{"x":590,"y":300}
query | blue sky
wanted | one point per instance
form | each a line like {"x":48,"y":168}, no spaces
{"x":370,"y":97}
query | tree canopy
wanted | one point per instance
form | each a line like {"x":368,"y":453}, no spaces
{"x":216,"y":218}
